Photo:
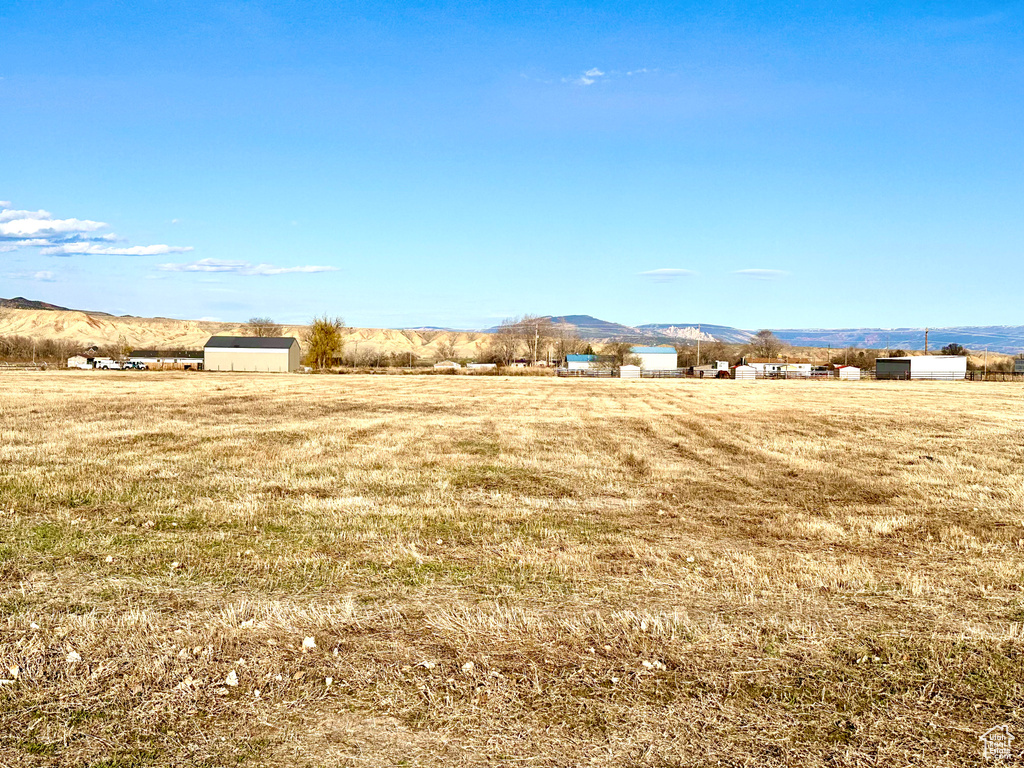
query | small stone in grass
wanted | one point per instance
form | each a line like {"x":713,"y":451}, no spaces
{"x":175,"y":564}
{"x":308,"y":644}
{"x":256,"y":693}
{"x":328,"y":681}
{"x":33,"y":625}
{"x":109,"y":558}
{"x":231,"y":679}
{"x":74,"y":657}
{"x":468,"y":668}
{"x":690,"y":559}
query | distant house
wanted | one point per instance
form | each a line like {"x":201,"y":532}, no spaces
{"x":152,"y":358}
{"x":774,"y":366}
{"x":78,"y":361}
{"x":656,"y":358}
{"x":1018,"y":365}
{"x":943,"y":367}
{"x":586,"y":362}
{"x":251,"y":353}
{"x":447,"y":365}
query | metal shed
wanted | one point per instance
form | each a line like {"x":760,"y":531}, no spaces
{"x":849,"y":372}
{"x":744,"y":373}
{"x":629,"y":371}
{"x":256,"y":354}
{"x":942,"y":367}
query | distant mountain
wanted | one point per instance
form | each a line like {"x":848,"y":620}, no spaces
{"x":689,"y":331}
{"x":998,"y":338}
{"x":20,"y":302}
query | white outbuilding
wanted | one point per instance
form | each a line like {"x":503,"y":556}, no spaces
{"x":656,"y":358}
{"x":447,"y":365}
{"x":942,"y":367}
{"x":251,"y":353}
{"x":629,"y":371}
{"x":848,"y":372}
{"x":744,"y":373}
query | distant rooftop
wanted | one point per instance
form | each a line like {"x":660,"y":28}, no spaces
{"x":653,"y":350}
{"x":251,"y":342}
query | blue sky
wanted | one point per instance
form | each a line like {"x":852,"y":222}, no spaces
{"x":797,"y":164}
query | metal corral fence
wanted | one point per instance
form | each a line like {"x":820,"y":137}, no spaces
{"x":868,"y":375}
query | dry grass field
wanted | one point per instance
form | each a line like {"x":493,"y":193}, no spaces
{"x":521,"y":572}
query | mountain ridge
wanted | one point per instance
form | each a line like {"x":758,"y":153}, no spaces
{"x":43,"y":320}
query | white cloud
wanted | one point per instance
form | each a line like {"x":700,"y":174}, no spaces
{"x":8,"y":248}
{"x":9,"y":215}
{"x":42,"y":277}
{"x":5,"y":203}
{"x":27,"y":227}
{"x":67,"y":237}
{"x":667,"y":275}
{"x":241,"y":268}
{"x":594,"y":72}
{"x":103,"y":250}
{"x":761,"y":274}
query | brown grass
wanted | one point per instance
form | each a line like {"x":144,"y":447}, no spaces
{"x":507,"y":571}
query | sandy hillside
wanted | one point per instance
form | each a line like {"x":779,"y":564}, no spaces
{"x":163,"y":333}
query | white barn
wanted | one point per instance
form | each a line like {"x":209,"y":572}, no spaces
{"x":251,"y":353}
{"x":942,"y":367}
{"x":656,"y":358}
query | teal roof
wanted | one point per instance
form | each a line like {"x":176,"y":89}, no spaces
{"x":653,"y":350}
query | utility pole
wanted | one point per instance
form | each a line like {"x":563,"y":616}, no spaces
{"x":986,"y":362}
{"x":698,"y":344}
{"x":926,"y":341}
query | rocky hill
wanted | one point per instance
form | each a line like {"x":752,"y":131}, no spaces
{"x":90,"y":329}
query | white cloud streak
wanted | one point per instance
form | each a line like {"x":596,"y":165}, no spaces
{"x":667,"y":275}
{"x":103,"y":250}
{"x":241,"y":268}
{"x":761,"y":274}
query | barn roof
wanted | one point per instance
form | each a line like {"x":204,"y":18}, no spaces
{"x":250,"y":342}
{"x":653,"y":350}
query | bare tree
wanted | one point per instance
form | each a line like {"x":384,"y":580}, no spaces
{"x":263,"y":327}
{"x":505,"y":342}
{"x":566,"y":340}
{"x":323,"y":341}
{"x":122,"y":349}
{"x":448,"y":347}
{"x":534,"y":332}
{"x":766,"y":344}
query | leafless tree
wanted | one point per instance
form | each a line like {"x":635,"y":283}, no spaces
{"x":765,"y":344}
{"x":505,"y":342}
{"x":448,"y":347}
{"x":566,"y":340}
{"x":263,"y":326}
